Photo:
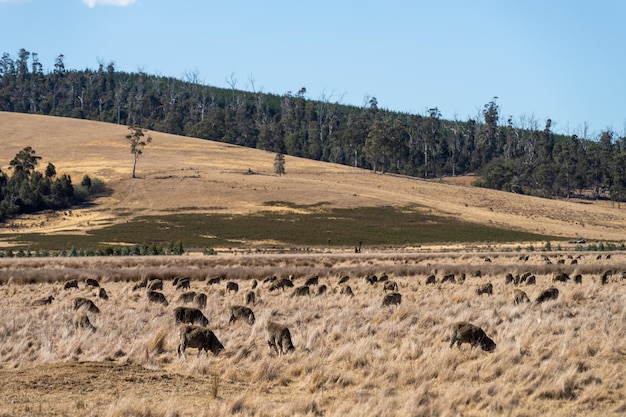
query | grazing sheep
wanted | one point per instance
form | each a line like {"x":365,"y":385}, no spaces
{"x":92,"y":282}
{"x":560,"y":277}
{"x":549,"y":294}
{"x":300,"y":291}
{"x":102,"y":294}
{"x":347,"y":290}
{"x":448,"y":278}
{"x":322,"y":289}
{"x":520,"y":296}
{"x":463,"y":332}
{"x":232,"y":286}
{"x":140,"y":285}
{"x":478,"y":273}
{"x":343,"y":279}
{"x":79,"y":302}
{"x":531,"y":280}
{"x":70,"y":284}
{"x":81,"y":321}
{"x":200,"y":300}
{"x":157,"y":297}
{"x":155,"y":285}
{"x":187,"y":297}
{"x":395,"y":298}
{"x":604,"y":279}
{"x":183,"y":284}
{"x":43,"y":301}
{"x":214,"y":280}
{"x":371,"y":279}
{"x":383,"y":278}
{"x":485,"y":289}
{"x":312,"y":281}
{"x":190,"y":315}
{"x":254,"y":284}
{"x":269,"y":279}
{"x":578,"y":279}
{"x":200,"y":338}
{"x":278,"y":338}
{"x":250,"y":298}
{"x":241,"y":312}
{"x":390,"y":286}
{"x":509,"y":279}
{"x":281,"y":284}
{"x":431,"y":279}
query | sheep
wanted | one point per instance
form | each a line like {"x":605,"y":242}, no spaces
{"x":390,"y":286}
{"x":578,"y":279}
{"x":347,"y":290}
{"x":254,"y":284}
{"x":312,"y":281}
{"x":70,"y":284}
{"x":155,"y":285}
{"x":43,"y":301}
{"x":322,"y":289}
{"x":102,"y":294}
{"x":520,"y":296}
{"x":394,"y":298}
{"x":278,"y":338}
{"x":190,"y":315}
{"x":142,"y":284}
{"x":187,"y":297}
{"x":241,"y":312}
{"x":300,"y":291}
{"x":549,"y":294}
{"x":232,"y":286}
{"x":485,"y":289}
{"x":81,"y":321}
{"x":281,"y":284}
{"x":183,"y":284}
{"x":448,"y":278}
{"x":343,"y":279}
{"x":560,"y":277}
{"x":431,"y":279}
{"x":531,"y":280}
{"x":79,"y":302}
{"x":214,"y":280}
{"x":157,"y":297}
{"x":200,"y":300}
{"x":463,"y":332}
{"x":200,"y":338}
{"x":250,"y":297}
{"x":92,"y":282}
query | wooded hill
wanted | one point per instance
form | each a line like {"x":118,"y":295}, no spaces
{"x":523,"y":157}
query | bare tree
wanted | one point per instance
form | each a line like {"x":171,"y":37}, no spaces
{"x":137,"y":143}
{"x":279,"y":164}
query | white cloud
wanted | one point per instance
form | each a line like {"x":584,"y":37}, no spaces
{"x":93,"y":3}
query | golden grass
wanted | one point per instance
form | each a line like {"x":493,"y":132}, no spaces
{"x":353,"y":357}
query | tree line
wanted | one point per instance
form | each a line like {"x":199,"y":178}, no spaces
{"x":521,"y":156}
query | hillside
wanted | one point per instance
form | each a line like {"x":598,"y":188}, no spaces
{"x":182,"y":174}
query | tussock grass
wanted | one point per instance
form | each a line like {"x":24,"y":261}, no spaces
{"x":353,"y":356}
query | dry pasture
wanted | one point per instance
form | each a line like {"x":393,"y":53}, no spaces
{"x":353,"y":357}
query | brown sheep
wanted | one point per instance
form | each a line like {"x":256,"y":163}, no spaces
{"x":79,"y":302}
{"x":549,"y":294}
{"x":250,"y":298}
{"x":81,"y":321}
{"x":390,"y":286}
{"x":395,"y":298}
{"x":578,"y":279}
{"x":463,"y":332}
{"x":43,"y":301}
{"x":300,"y":291}
{"x":509,"y":279}
{"x":347,"y":290}
{"x":485,"y":289}
{"x":241,"y":312}
{"x":183,"y":284}
{"x":254,"y":284}
{"x":92,"y":282}
{"x":200,"y":338}
{"x":312,"y":281}
{"x":142,"y":284}
{"x":431,"y":279}
{"x":70,"y":284}
{"x":278,"y":338}
{"x":200,"y":300}
{"x":157,"y":297}
{"x":560,"y":277}
{"x":343,"y":279}
{"x":102,"y":294}
{"x":214,"y":280}
{"x":281,"y":284}
{"x":531,"y":280}
{"x":322,"y":289}
{"x":448,"y":278}
{"x":232,"y":286}
{"x":190,"y":315}
{"x":520,"y":296}
{"x":155,"y":285}
{"x":187,"y":297}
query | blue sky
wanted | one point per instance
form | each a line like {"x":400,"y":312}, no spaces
{"x":556,"y":59}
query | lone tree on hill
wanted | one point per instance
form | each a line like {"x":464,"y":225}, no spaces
{"x":137,"y":143}
{"x":279,"y":164}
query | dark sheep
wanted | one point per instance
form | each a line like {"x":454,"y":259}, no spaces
{"x":214,"y":280}
{"x":200,"y":338}
{"x":190,"y":315}
{"x":43,"y":301}
{"x":312,"y":281}
{"x":300,"y":291}
{"x":371,"y":279}
{"x":448,"y":278}
{"x":269,"y":279}
{"x":578,"y":279}
{"x":102,"y":294}
{"x":520,"y":297}
{"x":81,"y":321}
{"x":281,"y":284}
{"x":92,"y":282}
{"x":604,"y":279}
{"x":560,"y":277}
{"x":390,"y":286}
{"x":183,"y":284}
{"x":394,"y":298}
{"x":140,"y":285}
{"x":70,"y":284}
{"x":549,"y":294}
{"x":241,"y":312}
{"x":431,"y":279}
{"x":250,"y":298}
{"x":155,"y":285}
{"x":200,"y":300}
{"x":485,"y":289}
{"x":347,"y":290}
{"x":278,"y":338}
{"x":531,"y":280}
{"x":463,"y":332}
{"x":343,"y":279}
{"x":232,"y":286}
{"x":383,"y":278}
{"x":478,"y":273}
{"x":187,"y":297}
{"x":509,"y":279}
{"x":322,"y":289}
{"x":157,"y":297}
{"x":79,"y":302}
{"x":254,"y":284}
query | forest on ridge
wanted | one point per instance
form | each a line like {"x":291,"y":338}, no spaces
{"x":522,"y":156}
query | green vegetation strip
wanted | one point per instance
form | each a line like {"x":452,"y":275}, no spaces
{"x":374,"y":226}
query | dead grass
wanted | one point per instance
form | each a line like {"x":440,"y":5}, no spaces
{"x":353,"y":357}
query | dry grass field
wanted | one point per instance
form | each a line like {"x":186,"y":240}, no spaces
{"x":353,"y":356}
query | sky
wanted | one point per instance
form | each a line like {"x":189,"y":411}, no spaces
{"x":557,"y":59}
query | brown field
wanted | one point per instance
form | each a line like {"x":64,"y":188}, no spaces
{"x":353,"y":357}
